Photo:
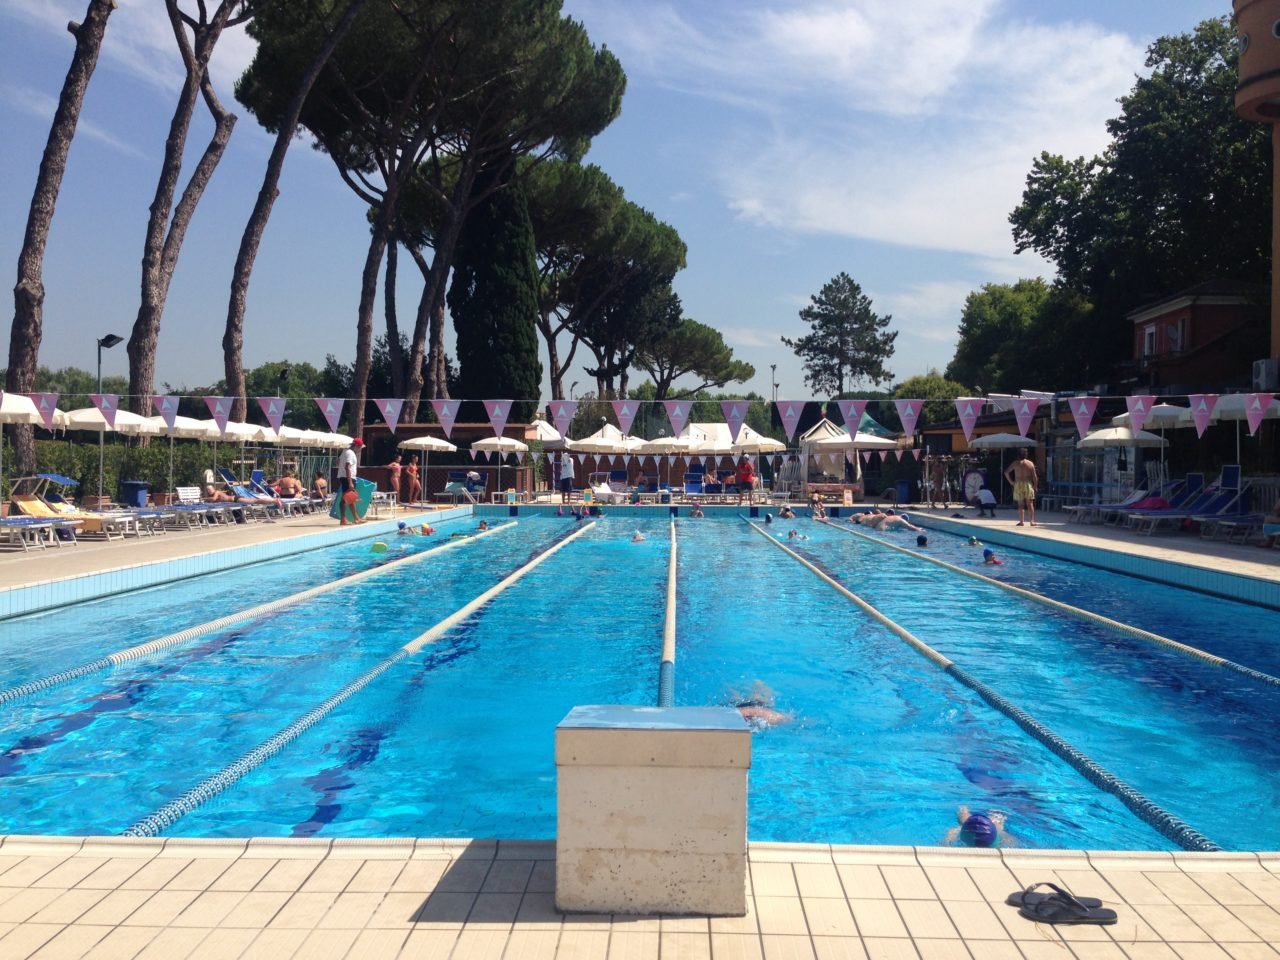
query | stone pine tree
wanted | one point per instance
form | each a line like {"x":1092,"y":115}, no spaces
{"x":494,"y":303}
{"x":28,"y":294}
{"x":849,"y":342}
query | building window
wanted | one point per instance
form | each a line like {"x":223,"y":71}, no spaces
{"x":1149,"y":341}
{"x":1176,"y":335}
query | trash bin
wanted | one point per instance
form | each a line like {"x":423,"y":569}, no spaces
{"x":904,"y":491}
{"x":133,"y":493}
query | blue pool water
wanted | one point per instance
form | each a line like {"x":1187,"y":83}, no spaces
{"x":457,"y":739}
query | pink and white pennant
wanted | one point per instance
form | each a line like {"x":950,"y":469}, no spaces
{"x":1024,"y":411}
{"x":908,"y":413}
{"x":562,"y":412}
{"x":851,"y":412}
{"x":1255,"y":408}
{"x":273,"y":410}
{"x":390,"y":410}
{"x":1139,"y":409}
{"x":447,"y":413}
{"x":107,"y":404}
{"x":1082,"y":410}
{"x":47,"y":405}
{"x":968,"y":409}
{"x":735,"y":414}
{"x":1202,"y":405}
{"x":331,"y":409}
{"x":625,"y":411}
{"x":167,"y":407}
{"x":789,"y":412}
{"x":220,"y":408}
{"x":498,"y":411}
{"x":678,"y":413}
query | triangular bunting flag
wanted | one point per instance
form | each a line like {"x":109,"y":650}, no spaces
{"x":1139,"y":409}
{"x":220,"y":407}
{"x":47,"y":404}
{"x":390,"y":410}
{"x":1082,"y":410}
{"x":625,"y":411}
{"x":332,"y":410}
{"x":851,"y":412}
{"x":735,"y":414}
{"x":789,"y":412}
{"x":273,"y":408}
{"x":678,"y":414}
{"x":908,"y":413}
{"x":446,"y":413}
{"x":1202,"y":405}
{"x":1255,"y":408}
{"x":167,"y":407}
{"x":498,"y":411}
{"x":562,"y":412}
{"x":107,"y":404}
{"x":1024,"y":411}
{"x":968,"y":409}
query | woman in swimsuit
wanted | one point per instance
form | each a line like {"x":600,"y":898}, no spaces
{"x":415,"y":485}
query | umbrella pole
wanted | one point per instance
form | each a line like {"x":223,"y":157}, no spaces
{"x":170,"y":490}
{"x":101,"y":444}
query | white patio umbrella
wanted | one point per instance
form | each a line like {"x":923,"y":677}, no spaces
{"x":426,"y":445}
{"x":91,"y":418}
{"x":1161,"y":417}
{"x":188,"y":428}
{"x":19,"y":408}
{"x":754,"y":442}
{"x":547,"y":435}
{"x":502,"y":446}
{"x":688,"y":444}
{"x":1120,"y":437}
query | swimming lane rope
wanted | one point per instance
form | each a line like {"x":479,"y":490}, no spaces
{"x":1146,"y":810}
{"x":169,"y":814}
{"x":262,"y":610}
{"x":1116,"y":625}
{"x":667,"y":668}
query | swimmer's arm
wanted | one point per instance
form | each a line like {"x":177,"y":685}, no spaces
{"x":952,"y":835}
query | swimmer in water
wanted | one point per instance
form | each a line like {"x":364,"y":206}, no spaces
{"x":979,"y":830}
{"x":796,"y":535}
{"x":757,"y":707}
{"x":922,"y":541}
{"x":696,"y":512}
{"x":637,"y":537}
{"x":973,"y":542}
{"x":989,"y":557}
{"x":484,"y":525}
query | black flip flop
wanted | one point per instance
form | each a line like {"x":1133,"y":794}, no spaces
{"x":1062,"y":907}
{"x":1029,"y":897}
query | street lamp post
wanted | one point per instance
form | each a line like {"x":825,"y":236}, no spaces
{"x":773,"y":378}
{"x":104,"y":343}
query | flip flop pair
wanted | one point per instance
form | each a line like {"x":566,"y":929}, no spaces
{"x":1059,"y":906}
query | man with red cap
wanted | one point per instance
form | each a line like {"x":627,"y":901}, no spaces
{"x":347,"y":465}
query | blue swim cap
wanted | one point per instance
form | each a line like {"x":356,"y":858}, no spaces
{"x":978,"y":831}
{"x":987,"y":552}
{"x":906,"y":518}
{"x":402,"y":525}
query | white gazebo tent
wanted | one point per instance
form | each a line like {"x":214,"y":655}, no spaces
{"x":826,"y":440}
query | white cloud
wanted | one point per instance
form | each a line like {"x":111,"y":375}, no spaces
{"x":750,"y":337}
{"x":37,"y":103}
{"x":912,"y":123}
{"x":139,"y":40}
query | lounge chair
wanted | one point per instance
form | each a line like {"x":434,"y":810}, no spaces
{"x":1191,"y":489}
{"x":1092,"y":512}
{"x":1225,"y":498}
{"x":106,"y":525}
{"x":28,"y":532}
{"x":290,"y":505}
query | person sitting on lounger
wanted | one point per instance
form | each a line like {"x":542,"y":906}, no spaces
{"x":319,"y":486}
{"x":288,"y":485}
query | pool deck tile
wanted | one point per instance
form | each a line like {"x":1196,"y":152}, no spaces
{"x":115,"y":897}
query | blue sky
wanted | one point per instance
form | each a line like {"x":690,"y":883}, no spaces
{"x":787,"y":141}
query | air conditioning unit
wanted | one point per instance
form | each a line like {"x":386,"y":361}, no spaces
{"x":1266,"y":375}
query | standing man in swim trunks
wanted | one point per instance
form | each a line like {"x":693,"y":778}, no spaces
{"x":566,"y":477}
{"x":1022,"y":475}
{"x":347,"y":483}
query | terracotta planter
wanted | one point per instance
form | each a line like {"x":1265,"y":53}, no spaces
{"x":163,"y":499}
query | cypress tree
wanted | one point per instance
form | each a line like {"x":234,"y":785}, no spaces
{"x":494,"y":303}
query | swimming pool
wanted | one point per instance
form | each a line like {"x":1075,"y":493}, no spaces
{"x":457,"y":739}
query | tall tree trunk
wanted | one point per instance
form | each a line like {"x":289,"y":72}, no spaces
{"x":163,"y":238}
{"x":364,"y":319}
{"x":28,"y":293}
{"x":393,"y":326}
{"x":430,"y":320}
{"x":553,"y":357}
{"x":233,"y":337}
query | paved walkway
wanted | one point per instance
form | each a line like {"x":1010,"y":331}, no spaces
{"x":122,"y":898}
